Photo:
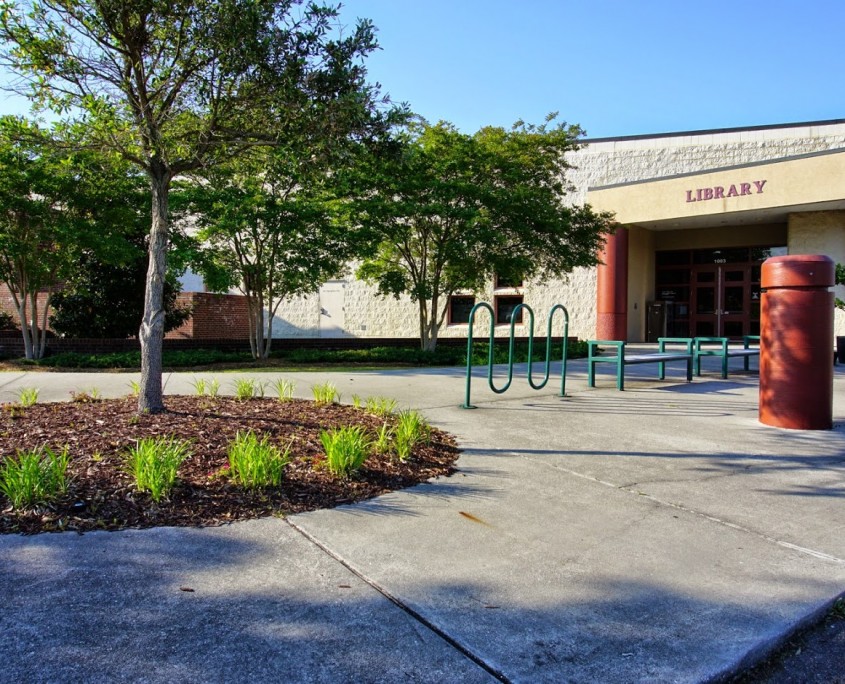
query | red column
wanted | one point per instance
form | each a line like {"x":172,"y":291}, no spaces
{"x":612,"y":288}
{"x":796,"y":342}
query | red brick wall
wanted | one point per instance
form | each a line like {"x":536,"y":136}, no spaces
{"x":7,"y":304}
{"x":215,"y":317}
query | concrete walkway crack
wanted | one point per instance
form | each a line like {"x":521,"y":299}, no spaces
{"x":492,"y":671}
{"x":624,"y":488}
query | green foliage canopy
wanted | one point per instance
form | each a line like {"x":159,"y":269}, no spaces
{"x":447,"y":210}
{"x":176,"y":86}
{"x":60,"y":203}
{"x":268,"y":227}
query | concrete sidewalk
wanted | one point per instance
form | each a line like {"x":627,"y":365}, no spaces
{"x":658,"y":534}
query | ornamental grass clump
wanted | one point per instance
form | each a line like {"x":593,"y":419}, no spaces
{"x":383,"y":443}
{"x":380,"y":406}
{"x":325,"y":394}
{"x":411,"y":429}
{"x":346,"y":449}
{"x":34,"y":476}
{"x":255,"y":463}
{"x":153,"y":463}
{"x":284,"y":389}
{"x":28,"y":396}
{"x":200,"y":386}
{"x":249,"y":388}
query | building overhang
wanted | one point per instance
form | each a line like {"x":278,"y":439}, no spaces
{"x":749,"y":194}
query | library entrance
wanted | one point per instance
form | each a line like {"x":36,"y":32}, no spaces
{"x":710,"y":292}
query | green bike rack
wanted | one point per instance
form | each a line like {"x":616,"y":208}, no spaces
{"x":504,"y":388}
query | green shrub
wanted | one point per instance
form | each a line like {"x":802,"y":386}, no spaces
{"x":153,"y":463}
{"x":132,"y":359}
{"x":326,"y":393}
{"x":442,"y":356}
{"x":576,"y":349}
{"x":134,"y":388}
{"x":346,"y":449}
{"x":214,"y":388}
{"x":7,"y":321}
{"x":34,"y":476}
{"x":28,"y":396}
{"x":255,"y":463}
{"x":411,"y":429}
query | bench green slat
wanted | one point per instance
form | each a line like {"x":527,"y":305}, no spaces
{"x":621,"y":360}
{"x":724,"y":351}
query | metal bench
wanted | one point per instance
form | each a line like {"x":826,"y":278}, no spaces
{"x":718,"y":346}
{"x":621,"y":359}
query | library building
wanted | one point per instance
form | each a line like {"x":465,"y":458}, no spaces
{"x":698,"y":213}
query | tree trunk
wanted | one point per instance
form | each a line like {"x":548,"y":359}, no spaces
{"x":151,"y":334}
{"x":268,"y":339}
{"x":27,"y":340}
{"x":250,"y":313}
{"x":259,"y":327}
{"x":42,"y":347}
{"x":33,"y":323}
{"x":428,"y":328}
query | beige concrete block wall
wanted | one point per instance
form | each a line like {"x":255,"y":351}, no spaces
{"x":298,"y":317}
{"x":821,"y":232}
{"x":617,"y":161}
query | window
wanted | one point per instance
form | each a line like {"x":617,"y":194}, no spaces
{"x":503,"y":282}
{"x":459,"y":308}
{"x":505,"y":307}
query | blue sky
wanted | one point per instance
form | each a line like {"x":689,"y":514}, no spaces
{"x":616,"y":67}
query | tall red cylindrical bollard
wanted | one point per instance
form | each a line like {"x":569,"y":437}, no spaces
{"x":796,"y":342}
{"x":612,"y":288}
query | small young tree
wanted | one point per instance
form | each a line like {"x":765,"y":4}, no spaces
{"x":50,"y":203}
{"x":180,"y":85}
{"x":449,"y":209}
{"x":268,"y":228}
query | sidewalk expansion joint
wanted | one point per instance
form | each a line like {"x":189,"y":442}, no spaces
{"x":734,"y":526}
{"x":463,"y":650}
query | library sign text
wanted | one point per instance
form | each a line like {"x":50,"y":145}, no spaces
{"x":721,"y":191}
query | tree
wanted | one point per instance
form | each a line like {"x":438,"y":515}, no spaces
{"x":268,"y":228}
{"x":102,"y":299}
{"x":449,"y":209}
{"x":103,"y":294}
{"x":50,"y":200}
{"x":180,"y":85}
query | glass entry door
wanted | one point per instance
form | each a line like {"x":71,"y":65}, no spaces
{"x":720,"y":301}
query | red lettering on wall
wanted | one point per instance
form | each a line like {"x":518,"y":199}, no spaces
{"x":718,"y":191}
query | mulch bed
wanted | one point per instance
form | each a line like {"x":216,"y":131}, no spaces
{"x":102,"y":495}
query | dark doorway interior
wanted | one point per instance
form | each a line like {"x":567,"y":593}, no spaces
{"x":712,"y":292}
